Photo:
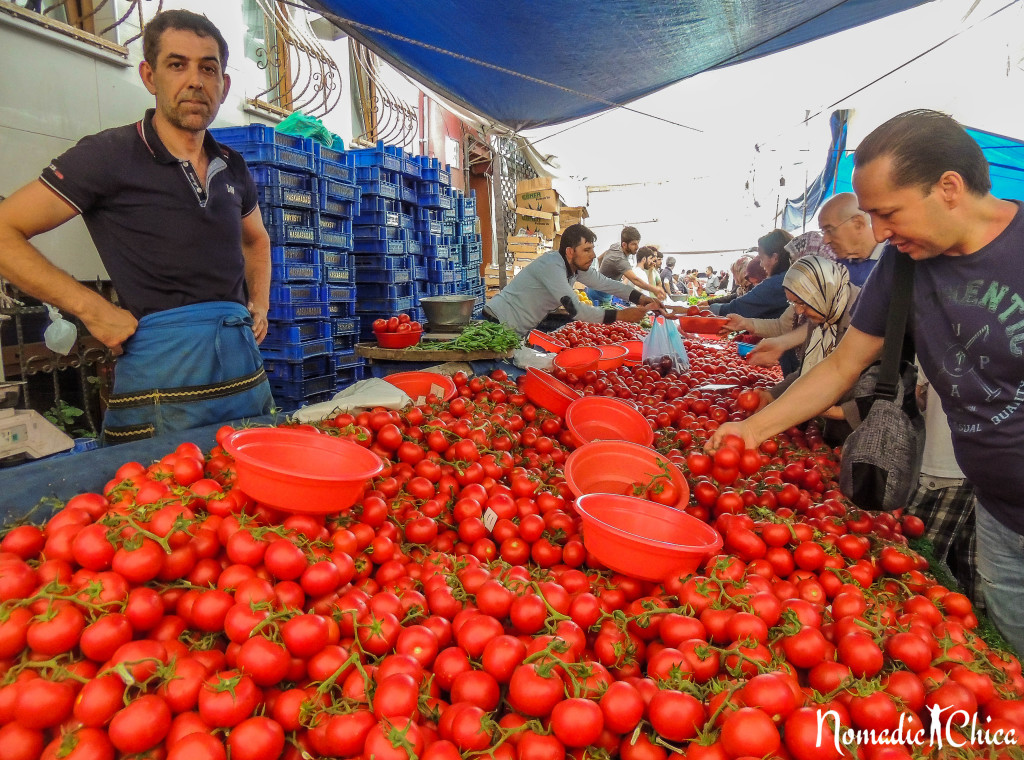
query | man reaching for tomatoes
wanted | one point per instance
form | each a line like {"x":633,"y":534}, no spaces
{"x":548,"y":281}
{"x":925,"y":184}
{"x":175,"y":219}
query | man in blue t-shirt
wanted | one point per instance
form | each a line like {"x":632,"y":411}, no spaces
{"x":847,"y":230}
{"x":926,"y":186}
{"x":174,"y":217}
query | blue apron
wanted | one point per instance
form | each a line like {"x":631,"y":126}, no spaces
{"x":184,"y":368}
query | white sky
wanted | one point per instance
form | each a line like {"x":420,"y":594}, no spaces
{"x":698,"y":192}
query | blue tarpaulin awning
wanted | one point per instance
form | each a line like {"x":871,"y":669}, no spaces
{"x":531,"y":63}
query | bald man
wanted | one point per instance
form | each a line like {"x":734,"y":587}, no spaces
{"x":848,"y":231}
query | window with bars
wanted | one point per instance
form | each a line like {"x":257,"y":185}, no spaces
{"x":89,"y":20}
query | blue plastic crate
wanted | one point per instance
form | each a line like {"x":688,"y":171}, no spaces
{"x":411,"y":167}
{"x":337,"y":293}
{"x":334,"y":258}
{"x":337,"y":207}
{"x":280,"y":255}
{"x":390,"y":305}
{"x":298,"y":390}
{"x":448,"y":229}
{"x":335,"y":232}
{"x":348,"y":360}
{"x":344,"y":348}
{"x":275,"y":155}
{"x":472,"y":256}
{"x":342,"y":326}
{"x":441,"y":252}
{"x":298,"y":351}
{"x":380,"y":290}
{"x":466,"y":228}
{"x":296,"y":294}
{"x":385,"y":189}
{"x":286,"y":196}
{"x":467,"y":207}
{"x":408,"y":194}
{"x":428,"y":227}
{"x":282,"y":217}
{"x":406,"y":222}
{"x":386,"y":156}
{"x":336,"y":155}
{"x":334,"y":170}
{"x":377,"y":262}
{"x":414,"y":247}
{"x":292,"y":188}
{"x":430,"y":168}
{"x":293,"y":272}
{"x":341,"y":309}
{"x":336,"y":240}
{"x":443,"y":275}
{"x":449,"y":215}
{"x":290,"y":312}
{"x":434,"y":200}
{"x":369,"y":204}
{"x":292,"y":234}
{"x":395,"y":276}
{"x":378,"y":232}
{"x":395,"y":247}
{"x":286,"y":333}
{"x":344,"y":191}
{"x":345,"y":377}
{"x":365,"y":174}
{"x":315,"y":366}
{"x":418,"y":314}
{"x":260,"y":133}
{"x":338,"y":275}
{"x":420,"y":273}
{"x":376,"y":218}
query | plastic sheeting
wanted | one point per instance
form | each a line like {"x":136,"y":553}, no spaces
{"x":531,"y":63}
{"x":799,"y":213}
{"x":1005,"y":159}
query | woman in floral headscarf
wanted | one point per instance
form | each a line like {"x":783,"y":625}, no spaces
{"x":820,"y":291}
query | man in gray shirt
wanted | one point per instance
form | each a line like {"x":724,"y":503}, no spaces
{"x":547,"y":283}
{"x":615,"y":265}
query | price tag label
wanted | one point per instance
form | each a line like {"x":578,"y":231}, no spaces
{"x":490,"y":517}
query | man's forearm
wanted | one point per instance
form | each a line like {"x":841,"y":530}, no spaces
{"x":639,"y":282}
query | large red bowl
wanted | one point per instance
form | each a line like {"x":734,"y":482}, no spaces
{"x":301,"y":471}
{"x":600,"y":418}
{"x":615,"y":467}
{"x":579,"y":360}
{"x":543,"y":340}
{"x":645,"y":540}
{"x":548,"y":392}
{"x":635,"y":352}
{"x":419,"y":385}
{"x":612,"y":356}
{"x":702,"y":325}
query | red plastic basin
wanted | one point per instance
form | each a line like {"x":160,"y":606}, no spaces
{"x":615,"y":467}
{"x":398,"y":340}
{"x":548,"y":392}
{"x":600,"y":418}
{"x":645,"y":540}
{"x":612,"y":356}
{"x":578,"y":360}
{"x":703,"y":325}
{"x":301,"y":471}
{"x":419,"y":385}
{"x":635,"y":352}
{"x":545,"y":341}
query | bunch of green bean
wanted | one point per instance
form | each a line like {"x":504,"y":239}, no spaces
{"x":478,"y":336}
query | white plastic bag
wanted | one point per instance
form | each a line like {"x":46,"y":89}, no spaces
{"x":662,"y":351}
{"x":526,"y":357}
{"x":365,"y":394}
{"x":60,"y":335}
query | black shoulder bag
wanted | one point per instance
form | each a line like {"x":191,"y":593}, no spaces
{"x":881,"y":459}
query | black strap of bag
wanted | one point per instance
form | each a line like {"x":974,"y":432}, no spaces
{"x":895,"y":327}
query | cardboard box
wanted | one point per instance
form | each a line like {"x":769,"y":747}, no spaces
{"x":529,"y":185}
{"x":537,"y":194}
{"x":536,"y":222}
{"x":570,"y":215}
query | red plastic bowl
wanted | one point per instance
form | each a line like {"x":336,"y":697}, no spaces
{"x":548,"y":392}
{"x":600,"y":418}
{"x":301,"y":471}
{"x":398,"y":340}
{"x":703,"y":325}
{"x":614,"y":467}
{"x":635,"y":352}
{"x":612,"y":356}
{"x":419,"y":385}
{"x":645,"y":540}
{"x":545,"y":341}
{"x":578,"y":360}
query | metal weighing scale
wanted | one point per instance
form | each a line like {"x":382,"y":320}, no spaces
{"x":25,"y":431}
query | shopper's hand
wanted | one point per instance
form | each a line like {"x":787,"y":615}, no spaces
{"x":765,"y":354}
{"x":740,"y":429}
{"x":649,"y":303}
{"x":737,"y":324}
{"x":658,"y":292}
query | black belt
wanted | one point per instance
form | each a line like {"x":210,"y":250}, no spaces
{"x":488,"y":316}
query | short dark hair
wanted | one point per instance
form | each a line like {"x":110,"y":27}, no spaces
{"x":183,"y":20}
{"x":774,"y":244}
{"x":629,"y":235}
{"x":575,"y":234}
{"x":923,"y":145}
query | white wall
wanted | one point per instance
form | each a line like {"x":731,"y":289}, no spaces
{"x":55,"y":90}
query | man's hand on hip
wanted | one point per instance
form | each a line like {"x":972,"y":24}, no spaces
{"x":111,"y":325}
{"x":259,"y":322}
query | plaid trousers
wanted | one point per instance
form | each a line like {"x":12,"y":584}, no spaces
{"x":947,"y":507}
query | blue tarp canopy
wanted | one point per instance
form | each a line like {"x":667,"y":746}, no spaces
{"x":530,"y":63}
{"x":1005,"y":159}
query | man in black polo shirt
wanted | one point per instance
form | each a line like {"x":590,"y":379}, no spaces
{"x":174,"y":217}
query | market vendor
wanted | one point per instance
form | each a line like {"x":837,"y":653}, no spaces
{"x":547,"y":283}
{"x":175,"y":219}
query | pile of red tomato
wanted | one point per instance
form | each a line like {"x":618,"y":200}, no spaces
{"x":402,"y":323}
{"x":456,"y":612}
{"x":591,"y":334}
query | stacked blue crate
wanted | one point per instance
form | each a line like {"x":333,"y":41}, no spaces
{"x":339,"y":206}
{"x":298,"y":349}
{"x":385,"y":248}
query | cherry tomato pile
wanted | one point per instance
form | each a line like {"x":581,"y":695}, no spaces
{"x":401,"y":323}
{"x":456,"y":612}
{"x":590,"y":334}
